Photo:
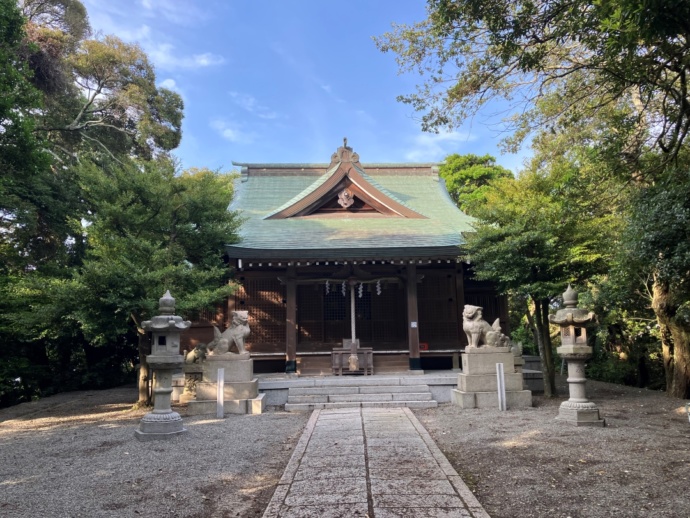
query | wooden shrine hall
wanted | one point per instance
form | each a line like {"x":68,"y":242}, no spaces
{"x":328,"y":252}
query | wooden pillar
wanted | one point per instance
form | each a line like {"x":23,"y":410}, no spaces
{"x":291,"y":322}
{"x":413,"y":318}
{"x":460,"y":297}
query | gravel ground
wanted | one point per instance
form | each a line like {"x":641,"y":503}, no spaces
{"x":523,"y":463}
{"x":75,"y":455}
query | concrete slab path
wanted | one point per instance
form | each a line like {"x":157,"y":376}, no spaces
{"x":373,"y":463}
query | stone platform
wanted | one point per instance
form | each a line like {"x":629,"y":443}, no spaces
{"x":240,"y":387}
{"x":477,"y":384}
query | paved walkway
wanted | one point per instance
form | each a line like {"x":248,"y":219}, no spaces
{"x":370,"y":462}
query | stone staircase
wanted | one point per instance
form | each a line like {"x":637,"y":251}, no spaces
{"x":360,"y":392}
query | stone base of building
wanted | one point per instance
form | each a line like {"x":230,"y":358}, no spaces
{"x":478,"y":385}
{"x":580,"y":416}
{"x":154,"y":427}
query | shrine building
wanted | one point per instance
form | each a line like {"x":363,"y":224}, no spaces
{"x":314,"y":235}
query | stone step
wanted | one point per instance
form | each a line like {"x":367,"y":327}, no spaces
{"x":353,"y":389}
{"x":308,"y":407}
{"x":354,"y":398}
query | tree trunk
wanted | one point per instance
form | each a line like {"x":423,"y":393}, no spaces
{"x":144,"y":371}
{"x":675,"y":342}
{"x":541,"y":323}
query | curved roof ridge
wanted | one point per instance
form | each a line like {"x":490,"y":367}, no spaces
{"x":385,"y":191}
{"x":306,"y":192}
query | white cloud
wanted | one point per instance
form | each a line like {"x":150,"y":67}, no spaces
{"x":232,"y":132}
{"x":181,"y":12}
{"x":166,"y":57}
{"x":433,"y":147}
{"x":170,"y":84}
{"x":250,"y":104}
{"x":112,"y":18}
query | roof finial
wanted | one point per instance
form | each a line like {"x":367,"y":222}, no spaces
{"x":344,"y":141}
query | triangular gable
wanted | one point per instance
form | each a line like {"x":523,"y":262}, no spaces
{"x":344,"y":189}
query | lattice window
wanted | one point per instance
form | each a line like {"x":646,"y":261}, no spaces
{"x":215,"y":316}
{"x":310,"y":313}
{"x":380,"y":319}
{"x":437,"y":309}
{"x":263,"y":298}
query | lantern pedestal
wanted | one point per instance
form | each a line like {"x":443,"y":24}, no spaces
{"x":578,"y":410}
{"x":162,"y":422}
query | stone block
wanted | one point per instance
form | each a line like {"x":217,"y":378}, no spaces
{"x":483,"y":361}
{"x":275,"y":397}
{"x":514,"y":399}
{"x":581,"y":417}
{"x":256,"y":405}
{"x":441,"y":393}
{"x":462,"y":399}
{"x":488,"y":382}
{"x":534,"y":380}
{"x":234,"y":406}
{"x":231,"y":390}
{"x":237,"y":368}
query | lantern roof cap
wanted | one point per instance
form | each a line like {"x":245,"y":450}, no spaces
{"x":571,"y":314}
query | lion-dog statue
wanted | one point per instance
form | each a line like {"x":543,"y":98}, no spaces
{"x":235,"y":334}
{"x":196,"y":355}
{"x":478,"y":330}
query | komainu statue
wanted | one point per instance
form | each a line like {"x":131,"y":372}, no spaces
{"x":236,"y":333}
{"x":478,"y":330}
{"x":196,"y":355}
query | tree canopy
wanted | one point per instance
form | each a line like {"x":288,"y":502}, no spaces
{"x":468,"y":176}
{"x":600,"y":91}
{"x":96,"y":218}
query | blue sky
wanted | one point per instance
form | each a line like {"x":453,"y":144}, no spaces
{"x":285,"y":81}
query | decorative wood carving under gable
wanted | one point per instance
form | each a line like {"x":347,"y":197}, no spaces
{"x":346,"y":192}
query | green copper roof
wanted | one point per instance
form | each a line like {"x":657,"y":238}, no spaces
{"x":264,"y":189}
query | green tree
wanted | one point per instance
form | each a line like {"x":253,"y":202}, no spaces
{"x":618,"y":69}
{"x":532,"y":245}
{"x":95,"y":220}
{"x":152,"y":230}
{"x":658,"y":245}
{"x":467,"y":177}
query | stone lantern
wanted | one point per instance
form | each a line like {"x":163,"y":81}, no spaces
{"x":574,"y":349}
{"x":165,"y":358}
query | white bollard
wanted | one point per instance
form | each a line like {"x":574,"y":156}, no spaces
{"x":501,"y":384}
{"x":220,"y":394}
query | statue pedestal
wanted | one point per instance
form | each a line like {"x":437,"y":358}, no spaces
{"x":240,"y":388}
{"x":478,"y":386}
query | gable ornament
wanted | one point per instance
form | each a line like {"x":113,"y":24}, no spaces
{"x":346,"y":198}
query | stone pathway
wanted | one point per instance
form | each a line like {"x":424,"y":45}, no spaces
{"x":370,"y":462}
